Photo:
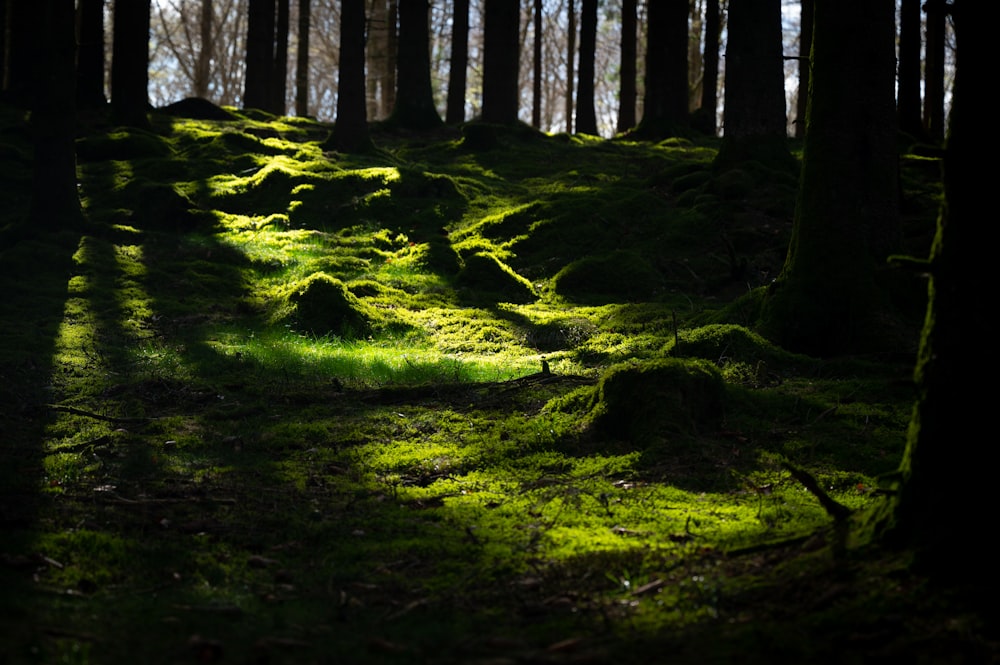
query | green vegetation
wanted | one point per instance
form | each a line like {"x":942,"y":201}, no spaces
{"x":432,"y":404}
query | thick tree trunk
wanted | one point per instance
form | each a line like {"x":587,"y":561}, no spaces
{"x":414,"y":96}
{"x":350,"y":132}
{"x":945,"y":484}
{"x":19,"y":48}
{"x":203,"y":66}
{"x":665,"y":105}
{"x":755,"y":122}
{"x":586,"y":115}
{"x":258,"y":77}
{"x":500,"y":61}
{"x":130,"y":64}
{"x":90,"y":55}
{"x":629,"y":53}
{"x":455,"y":113}
{"x":826,"y":300}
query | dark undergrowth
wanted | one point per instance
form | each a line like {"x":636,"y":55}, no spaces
{"x":437,"y":404}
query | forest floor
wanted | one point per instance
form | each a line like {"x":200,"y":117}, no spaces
{"x":441,"y":404}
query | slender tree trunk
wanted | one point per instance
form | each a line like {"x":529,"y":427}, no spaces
{"x":665,"y":105}
{"x":536,"y":88}
{"x":704,"y":119}
{"x":500,"y":62}
{"x":391,"y":58}
{"x":414,"y":97}
{"x":455,"y":114}
{"x":258,"y":77}
{"x":805,"y":66}
{"x":203,"y":66}
{"x":934,"y":69}
{"x":826,"y":299}
{"x":130,"y":64}
{"x":586,"y":114}
{"x":570,"y":62}
{"x":350,"y":131}
{"x":302,"y":61}
{"x":755,"y":123}
{"x":90,"y":54}
{"x":908,"y":97}
{"x":629,"y":52}
{"x":377,"y":53}
{"x":54,"y":200}
{"x":279,"y":67}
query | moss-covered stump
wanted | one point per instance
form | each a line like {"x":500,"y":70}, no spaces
{"x":621,"y":275}
{"x":667,"y":396}
{"x":322,"y":305}
{"x":485,"y":274}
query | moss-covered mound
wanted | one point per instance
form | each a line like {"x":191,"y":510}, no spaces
{"x":621,"y":275}
{"x":658,"y":398}
{"x":485,"y":274}
{"x":726,"y":342}
{"x":322,"y":305}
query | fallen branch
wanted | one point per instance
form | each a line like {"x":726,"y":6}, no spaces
{"x":96,"y":416}
{"x":838,"y":511}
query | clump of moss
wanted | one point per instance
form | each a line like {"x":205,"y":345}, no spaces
{"x":485,"y":273}
{"x":621,"y":275}
{"x":724,"y":343}
{"x":659,"y":397}
{"x":322,"y":305}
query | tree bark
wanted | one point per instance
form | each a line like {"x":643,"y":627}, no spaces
{"x":500,"y":62}
{"x":20,"y":46}
{"x":455,"y":113}
{"x":826,"y":300}
{"x":705,"y":117}
{"x":629,"y":52}
{"x":90,"y":55}
{"x":302,"y":60}
{"x":665,"y":105}
{"x":908,"y":97}
{"x":259,"y":77}
{"x":934,"y":69}
{"x":350,"y":131}
{"x":805,"y":66}
{"x":203,"y":65}
{"x":536,"y":86}
{"x":586,"y":114}
{"x":414,"y":96}
{"x":570,"y":62}
{"x":130,"y":64}
{"x":755,"y":123}
{"x":279,"y":66}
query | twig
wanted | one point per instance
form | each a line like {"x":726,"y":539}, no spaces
{"x":838,"y":511}
{"x":96,"y":416}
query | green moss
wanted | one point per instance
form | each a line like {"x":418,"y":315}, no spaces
{"x":486,"y":274}
{"x":321,"y":305}
{"x":621,"y":275}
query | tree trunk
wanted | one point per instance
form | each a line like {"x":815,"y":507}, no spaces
{"x":826,"y":299}
{"x":500,"y":62}
{"x":908,"y":97}
{"x":536,"y":87}
{"x":90,"y":55}
{"x":414,"y":97}
{"x":391,"y":59}
{"x":20,"y":46}
{"x":665,"y":105}
{"x":570,"y":62}
{"x":350,"y":132}
{"x":805,"y":66}
{"x":258,"y":77}
{"x":586,"y":114}
{"x":704,"y":119}
{"x":302,"y":61}
{"x":279,"y":67}
{"x":934,"y":69}
{"x":755,"y":123}
{"x":627,"y":91}
{"x":459,"y":63}
{"x":130,"y":64}
{"x":377,"y":53}
{"x":203,"y":66}
{"x":944,"y":486}
{"x":55,"y":202}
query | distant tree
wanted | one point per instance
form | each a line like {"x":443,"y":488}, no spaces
{"x":455,"y":113}
{"x":414,"y":96}
{"x":55,"y":202}
{"x":934,"y":50}
{"x":501,"y":61}
{"x":536,"y":85}
{"x":302,"y":60}
{"x":586,"y":114}
{"x":90,"y":54}
{"x":826,"y":299}
{"x":570,"y":62}
{"x":908,"y":97}
{"x":130,"y":64}
{"x":665,"y":105}
{"x":755,"y":123}
{"x":377,"y":77}
{"x":627,"y":75}
{"x":704,"y":118}
{"x":805,"y":66}
{"x":350,"y":131}
{"x":939,"y":484}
